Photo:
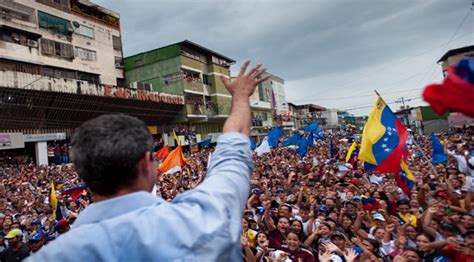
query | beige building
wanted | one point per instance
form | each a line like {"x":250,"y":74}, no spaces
{"x":72,"y":37}
{"x":60,"y":65}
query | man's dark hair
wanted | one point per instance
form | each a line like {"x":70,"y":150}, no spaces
{"x":106,"y":150}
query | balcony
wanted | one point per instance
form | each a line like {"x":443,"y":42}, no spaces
{"x":94,"y":13}
{"x":195,"y":111}
{"x":18,"y":16}
{"x":261,"y":105}
{"x":193,"y":86}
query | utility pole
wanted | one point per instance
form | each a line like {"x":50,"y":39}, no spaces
{"x":402,"y":101}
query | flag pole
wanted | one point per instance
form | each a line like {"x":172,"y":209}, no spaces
{"x":425,"y":157}
{"x":377,"y":93}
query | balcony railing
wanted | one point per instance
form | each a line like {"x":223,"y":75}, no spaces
{"x":193,"y":86}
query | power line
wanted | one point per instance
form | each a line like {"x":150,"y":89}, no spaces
{"x":387,"y":67}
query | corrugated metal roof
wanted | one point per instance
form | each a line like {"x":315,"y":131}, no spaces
{"x":29,"y":109}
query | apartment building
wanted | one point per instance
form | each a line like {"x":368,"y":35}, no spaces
{"x":191,"y":70}
{"x":61,"y":63}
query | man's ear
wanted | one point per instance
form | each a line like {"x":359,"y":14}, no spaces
{"x":144,"y":163}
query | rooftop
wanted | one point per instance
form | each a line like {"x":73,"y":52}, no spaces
{"x":191,"y":45}
{"x":456,"y":51}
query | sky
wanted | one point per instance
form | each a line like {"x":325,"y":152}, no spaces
{"x":332,"y":53}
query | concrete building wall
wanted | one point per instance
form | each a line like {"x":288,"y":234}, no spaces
{"x":331,"y":117}
{"x":436,"y":126}
{"x":101,"y":43}
{"x":278,"y":86}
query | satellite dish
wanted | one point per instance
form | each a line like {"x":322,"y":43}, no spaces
{"x":76,"y":24}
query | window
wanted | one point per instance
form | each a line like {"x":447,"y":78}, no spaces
{"x":189,"y":53}
{"x":121,"y":82}
{"x":260,"y":92}
{"x":219,"y":61}
{"x":8,"y":14}
{"x":85,"y":54}
{"x":205,"y":79}
{"x":118,"y":61}
{"x":85,"y":31}
{"x":53,"y":48}
{"x":54,"y":24}
{"x":144,"y":86}
{"x":17,"y":37}
{"x":117,"y":42}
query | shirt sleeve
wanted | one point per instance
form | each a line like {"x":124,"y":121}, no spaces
{"x":224,"y":192}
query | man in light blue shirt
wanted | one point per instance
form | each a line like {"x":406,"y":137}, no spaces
{"x":112,"y":154}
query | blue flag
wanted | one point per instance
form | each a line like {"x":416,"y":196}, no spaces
{"x":438,"y":155}
{"x":310,"y":139}
{"x":302,"y":147}
{"x":292,"y":140}
{"x":252,"y":144}
{"x":274,"y":135}
{"x":205,"y":143}
{"x":318,"y":134}
{"x":311,"y":127}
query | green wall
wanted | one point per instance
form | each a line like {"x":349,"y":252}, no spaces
{"x":151,"y":57}
{"x":153,"y":73}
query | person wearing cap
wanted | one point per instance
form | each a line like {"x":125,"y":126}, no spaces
{"x":35,"y":242}
{"x":17,"y":250}
{"x":113,"y":155}
{"x":62,"y":226}
{"x":339,"y":239}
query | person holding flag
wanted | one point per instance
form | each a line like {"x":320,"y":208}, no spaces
{"x":113,"y":155}
{"x":351,"y":156}
{"x":55,"y":205}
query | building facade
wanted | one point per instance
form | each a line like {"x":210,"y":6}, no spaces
{"x":188,"y":69}
{"x":60,"y":65}
{"x":281,"y":111}
{"x":306,"y":114}
{"x":262,"y":106}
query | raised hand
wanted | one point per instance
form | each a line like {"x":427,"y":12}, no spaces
{"x":350,"y":255}
{"x":244,"y":84}
{"x":390,"y":227}
{"x":325,"y":257}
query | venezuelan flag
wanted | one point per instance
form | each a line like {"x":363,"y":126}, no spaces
{"x":405,"y":179}
{"x":383,"y":140}
{"x":351,"y":156}
{"x":53,"y":201}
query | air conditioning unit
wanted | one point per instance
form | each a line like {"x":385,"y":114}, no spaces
{"x":32,"y":43}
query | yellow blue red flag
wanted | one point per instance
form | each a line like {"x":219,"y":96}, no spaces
{"x":383,"y":140}
{"x":405,"y":179}
{"x":55,"y":205}
{"x":351,"y":151}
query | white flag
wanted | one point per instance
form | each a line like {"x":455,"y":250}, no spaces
{"x":263,"y":148}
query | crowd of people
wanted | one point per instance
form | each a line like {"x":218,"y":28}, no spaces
{"x":315,"y":208}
